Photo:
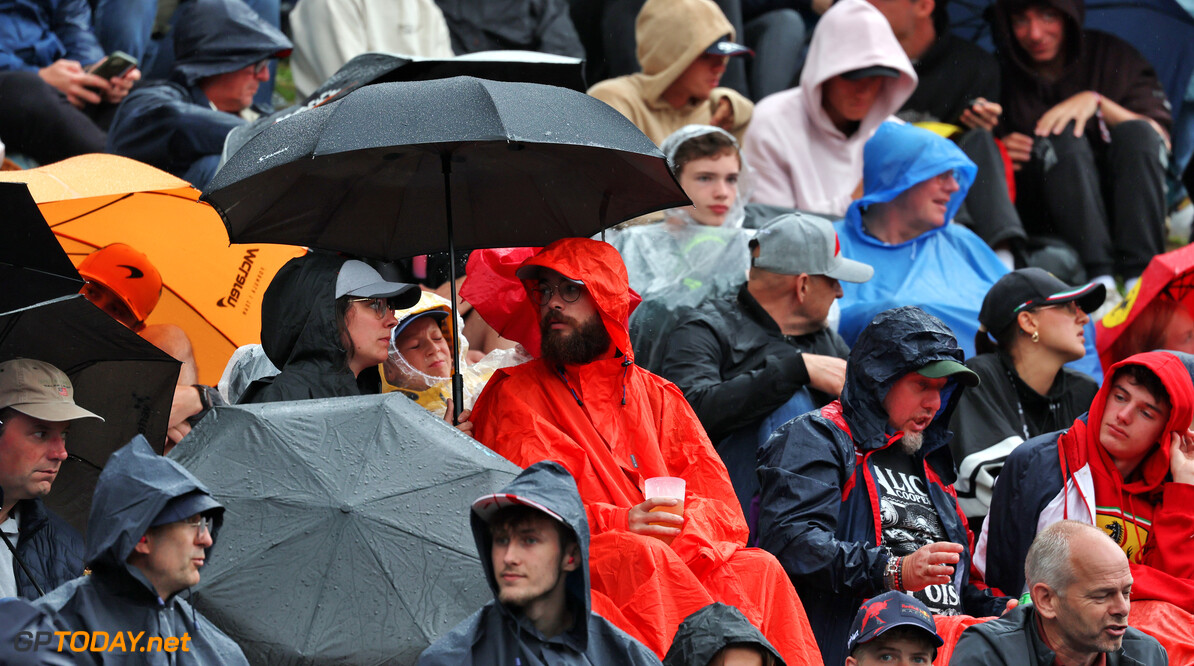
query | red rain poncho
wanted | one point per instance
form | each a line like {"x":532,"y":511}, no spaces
{"x":634,"y":425}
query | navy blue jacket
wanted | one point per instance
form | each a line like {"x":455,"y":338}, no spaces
{"x":171,"y":124}
{"x":134,"y":487}
{"x":35,"y":33}
{"x":819,"y":498}
{"x":49,"y":546}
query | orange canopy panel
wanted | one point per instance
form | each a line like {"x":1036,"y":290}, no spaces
{"x":210,"y":289}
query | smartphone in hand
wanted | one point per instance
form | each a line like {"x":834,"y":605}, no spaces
{"x":116,"y":63}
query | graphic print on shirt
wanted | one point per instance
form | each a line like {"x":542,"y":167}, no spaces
{"x":1127,"y":530}
{"x":909,"y":521}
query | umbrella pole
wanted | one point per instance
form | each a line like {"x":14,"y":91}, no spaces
{"x":457,"y":378}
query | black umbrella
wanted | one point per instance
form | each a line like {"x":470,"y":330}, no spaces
{"x":115,"y":373}
{"x":346,"y":536}
{"x":400,"y":169}
{"x":370,"y":68}
{"x":33,"y":266}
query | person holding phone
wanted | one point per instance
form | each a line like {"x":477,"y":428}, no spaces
{"x":51,"y":106}
{"x":222,"y":52}
{"x":1126,"y":467}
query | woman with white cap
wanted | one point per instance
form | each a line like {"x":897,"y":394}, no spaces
{"x":326,"y":322}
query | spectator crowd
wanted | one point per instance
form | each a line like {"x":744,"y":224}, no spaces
{"x":866,"y":352}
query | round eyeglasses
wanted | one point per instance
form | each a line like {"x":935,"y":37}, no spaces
{"x":568,"y":291}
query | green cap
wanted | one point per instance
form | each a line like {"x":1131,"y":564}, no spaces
{"x":938,"y":369}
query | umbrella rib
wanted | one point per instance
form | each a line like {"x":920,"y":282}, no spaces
{"x":196,"y":311}
{"x":89,"y":212}
{"x":409,"y":611}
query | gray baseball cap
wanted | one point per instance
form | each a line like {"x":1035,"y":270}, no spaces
{"x":794,"y":243}
{"x":359,"y":279}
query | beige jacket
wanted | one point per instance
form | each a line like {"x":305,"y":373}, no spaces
{"x":670,"y":35}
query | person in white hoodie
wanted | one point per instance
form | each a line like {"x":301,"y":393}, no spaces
{"x":806,"y":143}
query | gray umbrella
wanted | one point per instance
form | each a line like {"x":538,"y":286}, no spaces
{"x":346,"y":537}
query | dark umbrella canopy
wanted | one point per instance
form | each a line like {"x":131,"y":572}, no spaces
{"x":365,"y":174}
{"x":115,"y":373}
{"x":346,"y":536}
{"x":33,"y":267}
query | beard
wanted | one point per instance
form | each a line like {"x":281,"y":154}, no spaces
{"x":911,"y":442}
{"x":582,"y":345}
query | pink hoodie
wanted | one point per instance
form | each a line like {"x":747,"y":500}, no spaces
{"x":801,"y":159}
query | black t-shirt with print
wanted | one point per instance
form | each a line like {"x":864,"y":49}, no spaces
{"x":909,"y":520}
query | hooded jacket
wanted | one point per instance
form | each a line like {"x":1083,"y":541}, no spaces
{"x":172,"y":124}
{"x":711,"y":630}
{"x":819,"y":496}
{"x":670,"y":35}
{"x":613,"y":425}
{"x":803,"y":160}
{"x":499,"y":636}
{"x":1093,"y":61}
{"x":300,"y":334}
{"x":1069,"y":475}
{"x":117,"y":597}
{"x":35,"y":33}
{"x":49,"y":547}
{"x":20,"y":621}
{"x":1000,"y":414}
{"x":947,"y":270}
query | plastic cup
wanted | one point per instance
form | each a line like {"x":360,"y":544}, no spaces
{"x":666,"y":486}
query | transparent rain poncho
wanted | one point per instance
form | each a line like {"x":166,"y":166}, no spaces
{"x":678,"y":263}
{"x":433,"y":391}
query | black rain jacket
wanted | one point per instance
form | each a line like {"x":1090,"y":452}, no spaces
{"x":709,"y":631}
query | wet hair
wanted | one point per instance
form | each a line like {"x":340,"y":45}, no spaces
{"x":513,"y":517}
{"x":1147,"y":331}
{"x":704,"y":145}
{"x":1145,"y":378}
{"x":342,"y":306}
{"x":903,"y":631}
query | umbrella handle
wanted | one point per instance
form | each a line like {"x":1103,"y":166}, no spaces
{"x":457,"y":378}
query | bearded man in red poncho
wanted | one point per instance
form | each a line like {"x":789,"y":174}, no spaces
{"x":585,"y":404}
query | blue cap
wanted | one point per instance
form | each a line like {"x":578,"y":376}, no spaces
{"x":888,"y":610}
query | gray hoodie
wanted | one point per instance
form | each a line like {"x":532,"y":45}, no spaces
{"x":117,"y":598}
{"x":499,"y":636}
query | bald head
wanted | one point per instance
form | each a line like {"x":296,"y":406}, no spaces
{"x":1051,"y":557}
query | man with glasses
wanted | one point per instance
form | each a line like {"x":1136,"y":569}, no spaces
{"x":151,"y":529}
{"x":914,"y":181}
{"x":222,"y":54}
{"x":37,"y":407}
{"x":584,"y":403}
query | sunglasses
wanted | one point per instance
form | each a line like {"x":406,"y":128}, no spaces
{"x":380,"y":306}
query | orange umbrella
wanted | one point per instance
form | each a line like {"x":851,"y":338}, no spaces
{"x":211,"y":289}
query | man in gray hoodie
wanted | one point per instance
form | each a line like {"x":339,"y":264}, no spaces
{"x":533,"y":540}
{"x":152,"y":527}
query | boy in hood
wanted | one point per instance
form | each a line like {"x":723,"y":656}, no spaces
{"x":1086,"y":126}
{"x":151,"y":529}
{"x":914,"y":182}
{"x":533,"y":541}
{"x":1127,"y":467}
{"x":857,"y":498}
{"x":806,"y":143}
{"x":613,"y":425}
{"x":720,"y":635}
{"x":683,"y":46}
{"x":223,"y":50}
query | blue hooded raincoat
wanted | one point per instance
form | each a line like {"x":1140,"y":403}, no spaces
{"x":947,"y":270}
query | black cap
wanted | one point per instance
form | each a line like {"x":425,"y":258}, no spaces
{"x":725,"y":47}
{"x":873,"y":70}
{"x":888,"y":610}
{"x":1029,"y":288}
